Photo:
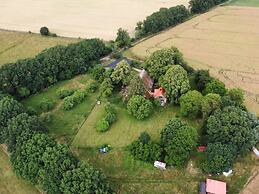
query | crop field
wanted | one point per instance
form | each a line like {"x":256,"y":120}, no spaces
{"x":224,"y":40}
{"x":15,"y":45}
{"x":79,"y":18}
{"x":9,"y":182}
{"x":252,"y":3}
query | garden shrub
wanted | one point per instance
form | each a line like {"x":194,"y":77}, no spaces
{"x":46,"y":105}
{"x":108,"y":118}
{"x":91,"y":88}
{"x":44,"y":31}
{"x":102,"y":125}
{"x":62,"y":93}
{"x":71,"y":101}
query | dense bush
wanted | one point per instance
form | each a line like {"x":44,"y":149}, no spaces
{"x":73,"y":100}
{"x":46,"y":105}
{"x":215,"y":86}
{"x":44,"y":31}
{"x":123,"y":38}
{"x":106,"y":87}
{"x":178,"y":140}
{"x":231,"y":126}
{"x":98,"y":72}
{"x":62,"y":93}
{"x":109,"y":117}
{"x":201,"y":6}
{"x":136,"y":87}
{"x":191,"y":104}
{"x":175,"y":82}
{"x":201,"y":78}
{"x":139,"y":107}
{"x":121,"y":73}
{"x":50,"y":66}
{"x":161,"y":20}
{"x":219,"y":158}
{"x":91,"y":88}
{"x":234,"y":97}
{"x":210,"y":103}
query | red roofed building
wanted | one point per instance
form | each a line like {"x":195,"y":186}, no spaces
{"x":160,"y":94}
{"x":216,"y":187}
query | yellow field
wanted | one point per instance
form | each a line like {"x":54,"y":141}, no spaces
{"x":224,"y":40}
{"x":17,"y":45}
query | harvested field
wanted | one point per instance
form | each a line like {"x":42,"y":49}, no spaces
{"x":224,"y":40}
{"x":79,"y":18}
{"x":17,"y":45}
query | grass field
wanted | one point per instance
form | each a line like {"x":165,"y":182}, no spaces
{"x":252,"y":3}
{"x":224,"y":40}
{"x":64,"y":124}
{"x":16,"y":45}
{"x":9,"y":182}
{"x":79,"y":18}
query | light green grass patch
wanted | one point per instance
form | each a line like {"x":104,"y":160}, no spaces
{"x":126,"y":129}
{"x":251,"y":3}
{"x":9,"y":182}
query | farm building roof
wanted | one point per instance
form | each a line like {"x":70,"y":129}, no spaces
{"x":117,"y":61}
{"x":159,"y":92}
{"x":216,"y":187}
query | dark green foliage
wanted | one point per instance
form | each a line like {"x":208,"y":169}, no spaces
{"x":91,"y":88}
{"x":84,"y":179}
{"x":178,"y":140}
{"x":144,"y":137}
{"x":175,"y":82}
{"x":62,"y":93}
{"x":121,"y":73}
{"x":9,"y":108}
{"x":73,"y":100}
{"x":215,"y":86}
{"x":48,"y":67}
{"x":191,"y":103}
{"x":27,"y":161}
{"x":234,"y":97}
{"x":98,"y":72}
{"x":123,"y":38}
{"x":231,"y":126}
{"x":201,"y":78}
{"x":109,"y":118}
{"x":139,"y":107}
{"x":201,"y":6}
{"x":44,"y":31}
{"x":22,"y":124}
{"x":147,"y":152}
{"x":136,"y":87}
{"x":220,"y":158}
{"x":46,"y":105}
{"x":162,"y":19}
{"x":160,"y":61}
{"x":57,"y":161}
{"x":210,"y":103}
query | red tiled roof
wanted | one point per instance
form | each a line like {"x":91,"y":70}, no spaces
{"x":159,"y":92}
{"x":216,"y":187}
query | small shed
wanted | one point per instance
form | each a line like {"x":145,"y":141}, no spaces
{"x":201,"y":148}
{"x":215,"y":187}
{"x":160,"y":165}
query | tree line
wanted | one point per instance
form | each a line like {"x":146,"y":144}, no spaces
{"x":169,"y":17}
{"x":39,"y":159}
{"x":29,"y":76}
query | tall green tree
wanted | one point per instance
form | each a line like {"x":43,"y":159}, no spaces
{"x":176,"y":83}
{"x":210,"y":103}
{"x":84,"y":179}
{"x":178,"y":140}
{"x":123,"y":38}
{"x":121,"y":73}
{"x":190,"y":104}
{"x":231,"y":126}
{"x":215,"y":86}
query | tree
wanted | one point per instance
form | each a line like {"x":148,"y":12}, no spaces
{"x":121,"y":73}
{"x":84,"y":179}
{"x":210,"y":103}
{"x":9,"y":108}
{"x":98,"y":72}
{"x":106,"y":87}
{"x":160,"y":61}
{"x":139,"y":107}
{"x":215,"y":86}
{"x":46,"y":105}
{"x":190,"y":104}
{"x":236,"y":95}
{"x":27,"y":161}
{"x":219,"y":158}
{"x":200,"y":6}
{"x":201,"y":78}
{"x":144,"y":137}
{"x":57,"y":161}
{"x":44,"y":31}
{"x":136,"y":87}
{"x":178,"y":140}
{"x":22,"y":124}
{"x":176,"y":83}
{"x":231,"y":126}
{"x":123,"y":38}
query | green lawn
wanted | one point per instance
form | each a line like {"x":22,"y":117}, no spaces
{"x":64,"y":124}
{"x":19,"y":45}
{"x":9,"y":182}
{"x":251,"y":3}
